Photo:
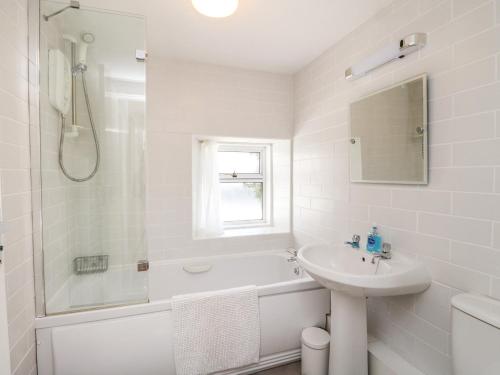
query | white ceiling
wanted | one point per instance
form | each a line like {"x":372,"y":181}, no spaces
{"x":268,"y":35}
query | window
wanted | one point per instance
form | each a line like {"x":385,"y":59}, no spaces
{"x":240,"y":187}
{"x":244,"y":184}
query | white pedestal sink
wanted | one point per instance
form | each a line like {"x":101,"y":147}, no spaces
{"x":352,"y":276}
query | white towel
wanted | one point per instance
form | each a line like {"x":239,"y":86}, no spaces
{"x":216,"y":331}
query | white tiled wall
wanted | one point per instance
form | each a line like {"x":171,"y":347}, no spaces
{"x":186,"y":99}
{"x":15,"y":183}
{"x":453,"y":224}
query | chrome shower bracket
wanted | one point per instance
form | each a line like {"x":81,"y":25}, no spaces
{"x":79,"y":68}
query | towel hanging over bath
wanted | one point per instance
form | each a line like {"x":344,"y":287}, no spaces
{"x":216,"y":331}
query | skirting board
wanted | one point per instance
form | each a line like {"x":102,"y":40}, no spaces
{"x":267,"y":362}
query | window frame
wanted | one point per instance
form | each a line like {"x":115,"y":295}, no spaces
{"x":263,"y":177}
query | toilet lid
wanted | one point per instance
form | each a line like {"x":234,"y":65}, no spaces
{"x":315,"y":338}
{"x":479,"y":307}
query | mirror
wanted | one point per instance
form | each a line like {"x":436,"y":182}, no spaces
{"x":388,"y":141}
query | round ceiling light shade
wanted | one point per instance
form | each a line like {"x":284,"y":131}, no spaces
{"x":215,"y":8}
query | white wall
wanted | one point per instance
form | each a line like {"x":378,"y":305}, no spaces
{"x":453,"y":224}
{"x":15,"y":183}
{"x":186,"y":99}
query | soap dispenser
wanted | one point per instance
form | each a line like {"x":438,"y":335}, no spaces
{"x":374,"y":240}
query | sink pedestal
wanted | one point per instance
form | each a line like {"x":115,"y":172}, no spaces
{"x":349,"y":336}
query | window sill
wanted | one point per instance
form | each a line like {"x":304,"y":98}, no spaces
{"x":249,"y":231}
{"x":252,"y":231}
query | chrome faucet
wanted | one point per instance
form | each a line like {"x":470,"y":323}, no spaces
{"x":386,"y":252}
{"x":292,"y":251}
{"x":293,"y":258}
{"x":354,"y":243}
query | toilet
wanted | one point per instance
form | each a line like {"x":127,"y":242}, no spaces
{"x":475,"y":330}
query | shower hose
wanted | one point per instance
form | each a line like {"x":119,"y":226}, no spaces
{"x":94,"y":134}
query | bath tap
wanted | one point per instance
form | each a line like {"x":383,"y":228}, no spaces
{"x":354,"y":242}
{"x":293,"y":252}
{"x":293,"y":259}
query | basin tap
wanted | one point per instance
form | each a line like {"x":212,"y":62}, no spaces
{"x":354,"y":243}
{"x":386,"y":252}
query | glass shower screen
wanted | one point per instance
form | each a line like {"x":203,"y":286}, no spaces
{"x":92,"y":129}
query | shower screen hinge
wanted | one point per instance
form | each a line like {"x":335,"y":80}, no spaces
{"x":141,"y":55}
{"x":142,"y":265}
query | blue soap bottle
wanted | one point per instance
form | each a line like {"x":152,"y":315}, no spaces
{"x":374,"y":241}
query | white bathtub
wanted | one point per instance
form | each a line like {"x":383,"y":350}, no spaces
{"x":137,"y":339}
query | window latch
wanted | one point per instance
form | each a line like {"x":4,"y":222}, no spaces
{"x":235,"y":175}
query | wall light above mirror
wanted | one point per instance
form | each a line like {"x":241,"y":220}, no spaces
{"x":388,"y":141}
{"x":392,"y":51}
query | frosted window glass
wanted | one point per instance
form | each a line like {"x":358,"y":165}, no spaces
{"x":242,"y":201}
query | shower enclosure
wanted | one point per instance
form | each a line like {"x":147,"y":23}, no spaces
{"x":90,"y":145}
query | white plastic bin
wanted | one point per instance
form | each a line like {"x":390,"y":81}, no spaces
{"x":315,"y":351}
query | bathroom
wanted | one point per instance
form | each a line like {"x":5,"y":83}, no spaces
{"x":162,"y":159}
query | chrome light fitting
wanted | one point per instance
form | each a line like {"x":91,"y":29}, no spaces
{"x":390,"y":52}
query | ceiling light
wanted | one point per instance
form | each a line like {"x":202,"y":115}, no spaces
{"x":215,"y":8}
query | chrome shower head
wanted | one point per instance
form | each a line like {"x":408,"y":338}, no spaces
{"x":72,"y":5}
